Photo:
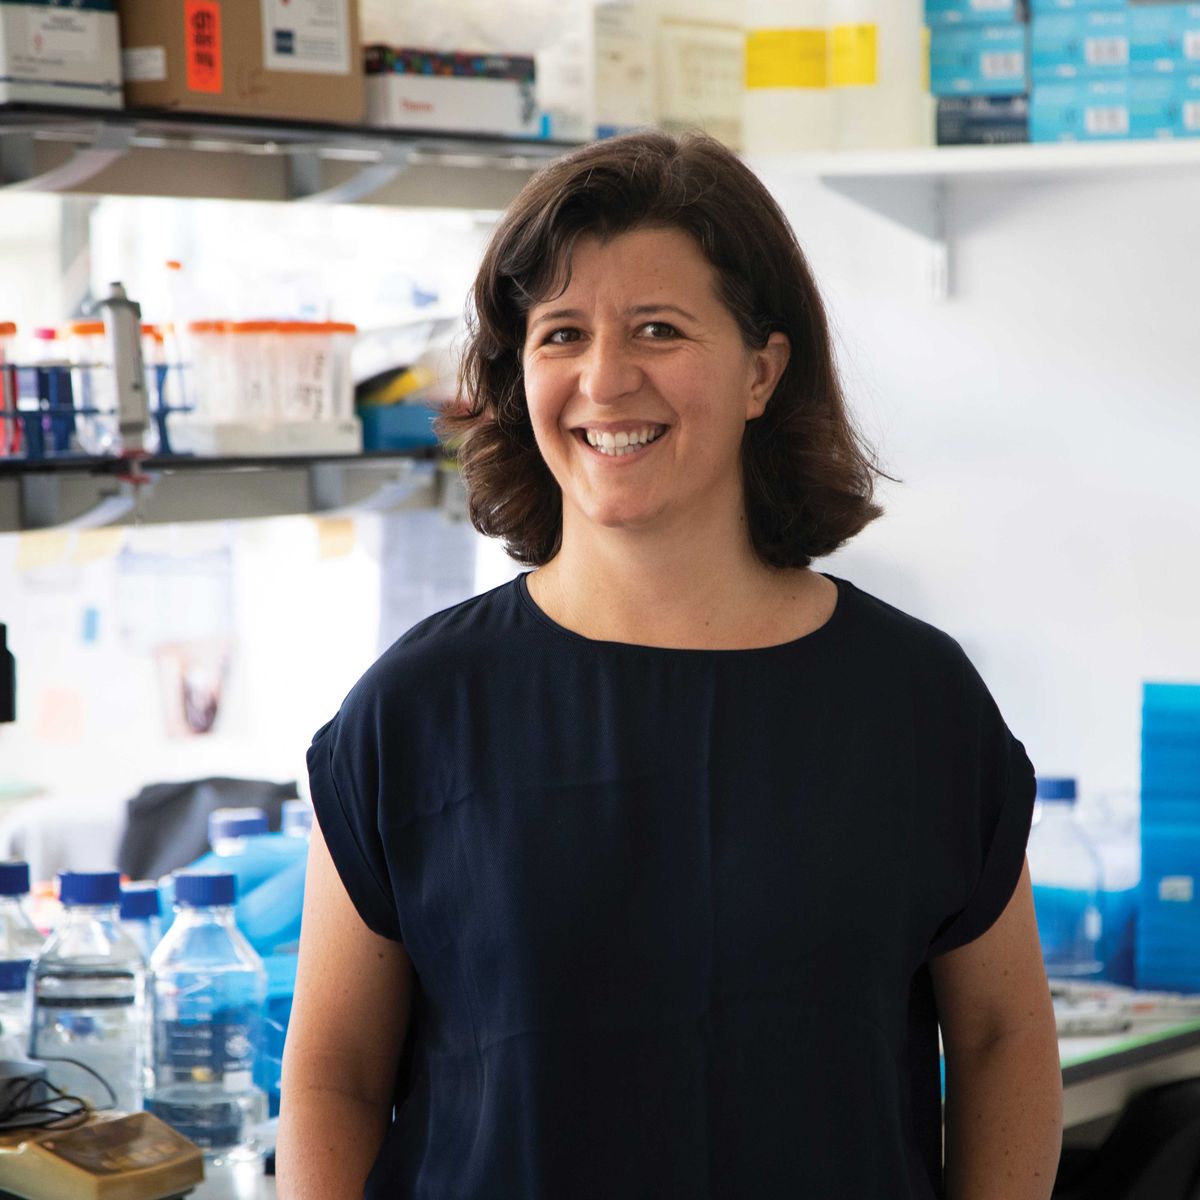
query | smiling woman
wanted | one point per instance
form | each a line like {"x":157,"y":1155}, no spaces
{"x":653,"y":872}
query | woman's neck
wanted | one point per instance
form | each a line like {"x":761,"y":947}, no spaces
{"x":662,"y":589}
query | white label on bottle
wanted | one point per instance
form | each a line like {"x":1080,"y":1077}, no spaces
{"x":1106,"y":52}
{"x":306,"y":35}
{"x":998,"y":64}
{"x":1177,"y":888}
{"x":144,"y":64}
{"x":1112,"y":121}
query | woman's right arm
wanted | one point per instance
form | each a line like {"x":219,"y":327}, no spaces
{"x":346,"y":1032}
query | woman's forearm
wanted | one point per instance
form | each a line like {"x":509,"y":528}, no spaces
{"x":1004,"y":1119}
{"x":327,"y":1143}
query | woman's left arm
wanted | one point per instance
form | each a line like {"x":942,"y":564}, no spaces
{"x":1003,"y":1119}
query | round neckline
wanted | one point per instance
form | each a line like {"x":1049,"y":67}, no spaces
{"x":820,"y":634}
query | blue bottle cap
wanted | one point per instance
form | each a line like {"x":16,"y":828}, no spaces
{"x":138,"y":901}
{"x":235,"y":822}
{"x":14,"y":878}
{"x":1057,"y":788}
{"x":89,"y":887}
{"x":13,"y":973}
{"x":204,"y":889}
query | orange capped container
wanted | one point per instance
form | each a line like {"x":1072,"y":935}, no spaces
{"x":10,"y":427}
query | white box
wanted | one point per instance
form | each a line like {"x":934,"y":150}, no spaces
{"x":410,"y":88}
{"x":58,"y":55}
{"x":599,"y":79}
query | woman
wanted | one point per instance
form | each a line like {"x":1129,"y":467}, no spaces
{"x":652,"y":873}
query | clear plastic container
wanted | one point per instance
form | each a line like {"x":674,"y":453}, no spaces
{"x":89,"y":996}
{"x":93,"y":385}
{"x":305,"y":370}
{"x":207,"y":988}
{"x":10,"y":426}
{"x":1067,"y":881}
{"x":141,"y":914}
{"x":255,"y":360}
{"x":208,"y":349}
{"x":878,"y":74}
{"x":20,"y":945}
{"x":296,"y":818}
{"x":340,"y":404}
{"x":788,"y":104}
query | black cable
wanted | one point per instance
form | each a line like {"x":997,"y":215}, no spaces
{"x":16,"y":1099}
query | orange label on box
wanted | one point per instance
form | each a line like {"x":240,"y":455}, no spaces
{"x":202,"y":45}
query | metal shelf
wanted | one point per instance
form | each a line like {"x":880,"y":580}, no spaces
{"x":88,"y":492}
{"x":167,"y":153}
{"x":912,"y":188}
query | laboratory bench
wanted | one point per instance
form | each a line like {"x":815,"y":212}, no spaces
{"x":1100,"y":1074}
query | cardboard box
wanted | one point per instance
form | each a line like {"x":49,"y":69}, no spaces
{"x":1164,"y":39}
{"x":297,"y":59}
{"x":982,"y":120}
{"x":974,"y":12}
{"x":983,"y":60}
{"x":56,"y":53}
{"x":409,"y":88}
{"x":1083,"y":45}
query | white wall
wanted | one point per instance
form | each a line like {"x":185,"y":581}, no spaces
{"x":1046,"y":423}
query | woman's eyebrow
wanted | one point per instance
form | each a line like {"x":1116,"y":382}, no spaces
{"x":638,"y":310}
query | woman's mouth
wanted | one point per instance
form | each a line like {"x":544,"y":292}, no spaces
{"x":624,"y":443}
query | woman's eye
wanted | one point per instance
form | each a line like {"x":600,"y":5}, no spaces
{"x":659,"y":331}
{"x":562,"y":337}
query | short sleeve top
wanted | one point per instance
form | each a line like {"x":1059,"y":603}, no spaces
{"x":670,"y":912}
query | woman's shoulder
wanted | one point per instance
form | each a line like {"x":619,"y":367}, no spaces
{"x":886,"y":629}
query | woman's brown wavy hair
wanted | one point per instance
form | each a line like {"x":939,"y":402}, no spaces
{"x":808,"y":475}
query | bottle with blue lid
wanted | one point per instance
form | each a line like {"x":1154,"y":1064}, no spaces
{"x":141,"y":914}
{"x":20,"y":945}
{"x":207,"y":992}
{"x":1067,"y":879}
{"x":89,"y":996}
{"x":229,"y":827}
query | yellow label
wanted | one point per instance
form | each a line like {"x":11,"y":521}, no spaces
{"x":91,"y":545}
{"x":855,"y":55}
{"x":42,"y":548}
{"x":926,"y":57}
{"x":335,"y":536}
{"x":787,"y":58}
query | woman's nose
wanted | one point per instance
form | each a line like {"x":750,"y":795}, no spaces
{"x":609,"y":371}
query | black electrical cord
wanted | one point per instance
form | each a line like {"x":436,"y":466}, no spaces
{"x":31,"y":1096}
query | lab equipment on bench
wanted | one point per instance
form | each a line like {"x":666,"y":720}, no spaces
{"x":89,"y":997}
{"x":207,"y":992}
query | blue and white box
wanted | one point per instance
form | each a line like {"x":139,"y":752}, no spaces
{"x":1164,"y":38}
{"x":984,"y":60}
{"x":1138,"y":108}
{"x":1084,"y":110}
{"x":974,"y":12}
{"x":1085,"y":45}
{"x":1058,"y":6}
{"x":60,"y":52}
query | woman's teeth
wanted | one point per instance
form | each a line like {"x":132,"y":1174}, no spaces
{"x":617,"y":444}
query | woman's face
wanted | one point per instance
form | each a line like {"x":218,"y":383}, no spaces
{"x":639,"y":385}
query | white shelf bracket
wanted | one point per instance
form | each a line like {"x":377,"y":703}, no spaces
{"x":304,"y":175}
{"x":917,"y":204}
{"x":111,"y":142}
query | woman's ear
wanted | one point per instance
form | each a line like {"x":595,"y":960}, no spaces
{"x":769,"y":364}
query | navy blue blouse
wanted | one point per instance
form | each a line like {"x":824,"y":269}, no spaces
{"x":670,"y":912}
